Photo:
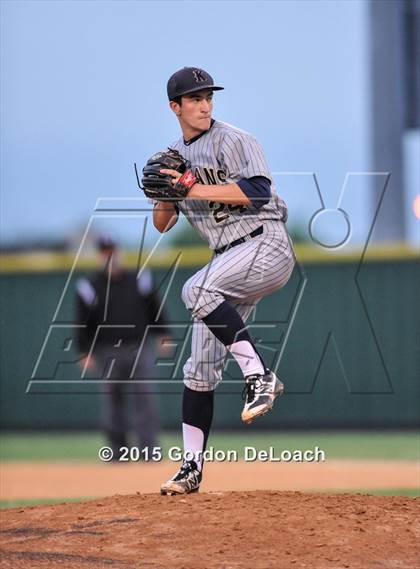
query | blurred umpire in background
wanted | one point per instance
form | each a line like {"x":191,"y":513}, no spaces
{"x":123,"y":304}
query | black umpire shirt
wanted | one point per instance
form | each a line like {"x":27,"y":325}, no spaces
{"x":118,"y":300}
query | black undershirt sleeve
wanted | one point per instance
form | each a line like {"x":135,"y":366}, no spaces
{"x":257,"y":189}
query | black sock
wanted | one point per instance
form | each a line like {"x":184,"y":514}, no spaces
{"x":197,"y":413}
{"x":227,"y":325}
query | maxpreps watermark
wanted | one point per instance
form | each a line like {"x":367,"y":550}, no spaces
{"x":249,"y":454}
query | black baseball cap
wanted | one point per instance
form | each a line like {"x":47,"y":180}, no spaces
{"x":188,"y":80}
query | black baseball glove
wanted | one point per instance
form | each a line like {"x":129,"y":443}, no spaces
{"x":159,"y":186}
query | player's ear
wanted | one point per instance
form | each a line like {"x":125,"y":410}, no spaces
{"x":175,"y":107}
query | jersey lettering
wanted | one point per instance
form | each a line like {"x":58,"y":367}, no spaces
{"x":198,"y":176}
{"x":224,"y":155}
{"x":210,"y":176}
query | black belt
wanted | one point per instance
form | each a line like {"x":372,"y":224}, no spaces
{"x":254,"y":233}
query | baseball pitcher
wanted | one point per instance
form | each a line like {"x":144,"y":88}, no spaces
{"x":217,"y":176}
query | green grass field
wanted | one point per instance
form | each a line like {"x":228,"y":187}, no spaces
{"x":336,"y":445}
{"x":342,"y":445}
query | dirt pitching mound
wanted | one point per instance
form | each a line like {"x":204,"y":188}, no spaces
{"x":221,"y":530}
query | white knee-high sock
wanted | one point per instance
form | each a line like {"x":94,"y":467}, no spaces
{"x":197,"y":416}
{"x":247,"y":358}
{"x":193,"y":438}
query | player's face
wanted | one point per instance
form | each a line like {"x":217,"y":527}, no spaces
{"x":194,"y":113}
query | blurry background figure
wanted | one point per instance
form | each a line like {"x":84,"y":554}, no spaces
{"x":123,"y":305}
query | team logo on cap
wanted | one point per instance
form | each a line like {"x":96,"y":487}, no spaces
{"x":198,"y":75}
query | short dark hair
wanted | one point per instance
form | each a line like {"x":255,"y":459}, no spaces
{"x":179,"y":99}
{"x":106,"y":243}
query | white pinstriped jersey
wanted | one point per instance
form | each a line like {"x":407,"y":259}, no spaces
{"x":226,"y":154}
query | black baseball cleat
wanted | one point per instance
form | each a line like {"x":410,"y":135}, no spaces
{"x":260,"y":392}
{"x":185,"y":481}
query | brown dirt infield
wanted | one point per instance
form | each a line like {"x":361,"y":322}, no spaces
{"x":76,"y":480}
{"x":221,"y":530}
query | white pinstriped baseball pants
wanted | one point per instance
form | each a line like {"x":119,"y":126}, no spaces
{"x":242,"y":276}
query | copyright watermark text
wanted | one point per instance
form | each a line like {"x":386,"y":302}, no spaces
{"x":176,"y":454}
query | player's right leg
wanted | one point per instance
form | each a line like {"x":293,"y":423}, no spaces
{"x":262,"y":386}
{"x":253,"y":269}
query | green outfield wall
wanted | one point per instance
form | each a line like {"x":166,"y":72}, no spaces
{"x":343,"y":334}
